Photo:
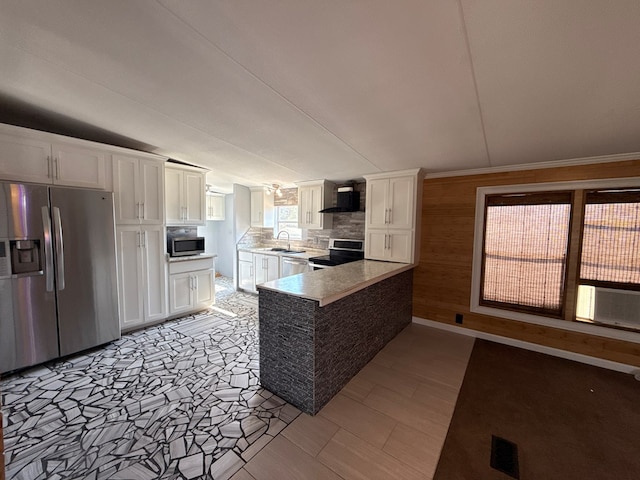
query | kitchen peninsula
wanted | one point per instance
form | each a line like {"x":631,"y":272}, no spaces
{"x":318,"y":329}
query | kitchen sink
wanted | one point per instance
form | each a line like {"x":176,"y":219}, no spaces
{"x":284,"y":250}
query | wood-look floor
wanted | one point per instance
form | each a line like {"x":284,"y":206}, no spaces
{"x":388,"y":423}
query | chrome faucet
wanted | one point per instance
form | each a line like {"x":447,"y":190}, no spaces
{"x":288,"y":238}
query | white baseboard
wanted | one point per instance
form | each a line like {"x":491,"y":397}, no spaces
{"x":578,"y":357}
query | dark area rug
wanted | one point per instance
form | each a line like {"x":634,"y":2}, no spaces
{"x":568,"y":420}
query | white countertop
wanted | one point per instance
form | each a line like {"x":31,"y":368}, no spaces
{"x":330,"y":284}
{"x":308,"y":252}
{"x":200,"y":256}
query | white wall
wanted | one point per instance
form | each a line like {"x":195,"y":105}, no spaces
{"x":225,"y":240}
{"x":221,"y":237}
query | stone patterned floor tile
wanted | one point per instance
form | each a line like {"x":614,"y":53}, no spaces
{"x":180,"y":400}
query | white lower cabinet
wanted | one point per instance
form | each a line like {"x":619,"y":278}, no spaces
{"x":267,"y":267}
{"x":389,"y":245}
{"x":256,"y":268}
{"x":141,"y":274}
{"x":191,"y":285}
{"x":246,"y":277}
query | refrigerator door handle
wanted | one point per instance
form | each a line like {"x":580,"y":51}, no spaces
{"x":48,"y":250}
{"x":57,"y":224}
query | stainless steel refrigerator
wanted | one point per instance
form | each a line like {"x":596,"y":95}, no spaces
{"x":58,"y":287}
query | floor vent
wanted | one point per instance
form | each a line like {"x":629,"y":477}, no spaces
{"x":504,"y":456}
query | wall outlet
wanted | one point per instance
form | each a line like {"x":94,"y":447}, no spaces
{"x":458,"y":318}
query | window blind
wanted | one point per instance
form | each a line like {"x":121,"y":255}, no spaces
{"x":611,"y":237}
{"x":525,"y":251}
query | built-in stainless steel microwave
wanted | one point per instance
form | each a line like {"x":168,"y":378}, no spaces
{"x":182,"y":246}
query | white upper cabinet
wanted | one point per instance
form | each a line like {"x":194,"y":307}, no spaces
{"x":27,"y":159}
{"x":392,"y":227}
{"x":391,"y":202}
{"x":312,"y":197}
{"x":138,"y":185}
{"x":185,"y":196}
{"x":78,"y":167}
{"x":173,"y":187}
{"x":215,"y":206}
{"x":262,"y":209}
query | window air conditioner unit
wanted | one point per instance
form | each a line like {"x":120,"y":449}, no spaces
{"x":617,"y":307}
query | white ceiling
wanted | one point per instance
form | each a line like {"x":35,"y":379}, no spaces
{"x":277,"y":91}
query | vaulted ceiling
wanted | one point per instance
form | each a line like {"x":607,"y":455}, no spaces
{"x":277,"y":91}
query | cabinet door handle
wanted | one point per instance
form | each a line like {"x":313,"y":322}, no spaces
{"x":389,"y":241}
{"x":142,"y":215}
{"x":390,"y":216}
{"x":57,"y":168}
{"x":144,"y":239}
{"x":48,"y":166}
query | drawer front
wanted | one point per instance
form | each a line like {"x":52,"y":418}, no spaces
{"x":245,"y":256}
{"x":190,"y":265}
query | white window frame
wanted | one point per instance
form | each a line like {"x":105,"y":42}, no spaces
{"x":276,"y":223}
{"x":476,"y":276}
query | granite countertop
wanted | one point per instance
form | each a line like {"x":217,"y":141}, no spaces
{"x":330,"y":284}
{"x":308,"y":252}
{"x":190,"y":257}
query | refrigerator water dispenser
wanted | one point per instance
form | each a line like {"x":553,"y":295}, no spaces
{"x":25,"y":256}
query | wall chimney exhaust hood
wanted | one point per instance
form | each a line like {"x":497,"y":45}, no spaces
{"x":348,"y":201}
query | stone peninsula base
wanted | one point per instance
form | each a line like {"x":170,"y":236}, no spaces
{"x":308,"y":353}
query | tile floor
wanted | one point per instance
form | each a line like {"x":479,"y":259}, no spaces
{"x":388,"y":423}
{"x":182,"y":401}
{"x":179,"y":400}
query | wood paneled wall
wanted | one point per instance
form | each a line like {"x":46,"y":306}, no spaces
{"x":442,"y":281}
